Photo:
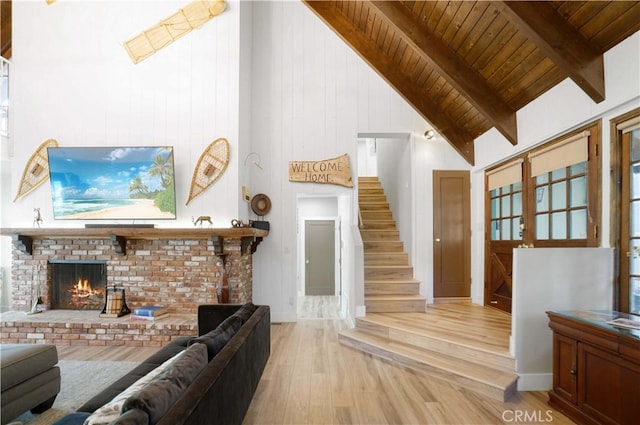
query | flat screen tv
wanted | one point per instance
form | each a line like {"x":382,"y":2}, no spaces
{"x":112,"y":182}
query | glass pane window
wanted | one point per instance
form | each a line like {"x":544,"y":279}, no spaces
{"x":559,"y":225}
{"x":561,"y":203}
{"x":506,"y":211}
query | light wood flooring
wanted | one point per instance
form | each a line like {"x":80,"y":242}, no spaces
{"x":319,"y":307}
{"x":311,"y":378}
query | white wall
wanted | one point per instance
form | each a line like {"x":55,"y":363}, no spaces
{"x":367,"y":166}
{"x":311,"y":97}
{"x":299,"y":94}
{"x":74,"y":82}
{"x":552,"y":279}
{"x":395,"y":173}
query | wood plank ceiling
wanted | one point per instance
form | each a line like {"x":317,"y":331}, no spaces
{"x":5,"y":29}
{"x":468,"y":66}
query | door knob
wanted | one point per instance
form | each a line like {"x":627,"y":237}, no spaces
{"x":437,"y":239}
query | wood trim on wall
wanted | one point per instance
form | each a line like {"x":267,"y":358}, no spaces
{"x":620,"y":297}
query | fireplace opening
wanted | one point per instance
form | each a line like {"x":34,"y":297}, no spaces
{"x":78,"y":285}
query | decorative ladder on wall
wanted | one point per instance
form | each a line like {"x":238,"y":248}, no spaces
{"x":389,"y":285}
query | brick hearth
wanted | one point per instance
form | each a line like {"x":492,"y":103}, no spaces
{"x":86,"y":328}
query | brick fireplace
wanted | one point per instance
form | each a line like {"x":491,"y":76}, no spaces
{"x":180,"y":273}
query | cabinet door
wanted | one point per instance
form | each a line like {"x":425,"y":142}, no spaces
{"x":565,"y":354}
{"x":607,"y":386}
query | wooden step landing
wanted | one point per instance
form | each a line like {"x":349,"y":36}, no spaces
{"x":415,"y":329}
{"x":483,"y":380}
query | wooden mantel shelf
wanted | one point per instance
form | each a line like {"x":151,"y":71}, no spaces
{"x":249,"y":236}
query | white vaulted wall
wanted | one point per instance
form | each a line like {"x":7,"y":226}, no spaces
{"x":74,"y":82}
{"x":311,"y":97}
{"x":268,"y":76}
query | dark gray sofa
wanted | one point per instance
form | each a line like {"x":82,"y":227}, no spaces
{"x":222,"y":391}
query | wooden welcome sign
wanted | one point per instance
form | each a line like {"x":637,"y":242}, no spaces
{"x":329,"y":171}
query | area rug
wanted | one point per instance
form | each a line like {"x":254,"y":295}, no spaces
{"x":80,"y":380}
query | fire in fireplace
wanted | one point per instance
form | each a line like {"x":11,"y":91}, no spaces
{"x":77,"y":285}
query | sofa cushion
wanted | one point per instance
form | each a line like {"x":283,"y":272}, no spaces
{"x":217,"y":338}
{"x":156,"y":397}
{"x":109,"y":393}
{"x":110,"y":411}
{"x":23,"y":361}
{"x":132,"y":417}
{"x":245,"y":311}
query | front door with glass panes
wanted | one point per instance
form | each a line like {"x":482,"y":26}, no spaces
{"x":506,"y":225}
{"x":630,"y":222}
{"x":539,"y":200}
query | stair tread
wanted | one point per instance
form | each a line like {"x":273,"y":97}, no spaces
{"x":392,"y":281}
{"x":379,"y":297}
{"x":486,"y":375}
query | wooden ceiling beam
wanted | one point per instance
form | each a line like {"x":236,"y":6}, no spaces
{"x":448,"y":64}
{"x":5,"y":29}
{"x":457,"y":137}
{"x":564,"y":45}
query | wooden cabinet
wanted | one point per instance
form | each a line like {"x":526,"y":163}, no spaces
{"x":596,"y":368}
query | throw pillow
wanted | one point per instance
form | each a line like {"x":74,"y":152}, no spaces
{"x":132,"y":417}
{"x":161,"y":393}
{"x":110,"y":411}
{"x":246,"y":311}
{"x":217,"y":338}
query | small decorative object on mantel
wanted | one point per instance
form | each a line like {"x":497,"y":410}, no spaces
{"x":212,"y":163}
{"x":260,"y":205}
{"x":36,"y":171}
{"x":200,"y":220}
{"x":115,"y":303}
{"x":239,"y":223}
{"x":330,"y":171}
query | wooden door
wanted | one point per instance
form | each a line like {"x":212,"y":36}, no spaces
{"x":504,"y":221}
{"x":319,"y":257}
{"x":452,"y":234}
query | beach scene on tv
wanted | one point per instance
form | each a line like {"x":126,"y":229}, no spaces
{"x":112,"y":183}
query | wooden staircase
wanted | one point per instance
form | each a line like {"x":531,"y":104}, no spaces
{"x":463,"y":344}
{"x":389,"y":285}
